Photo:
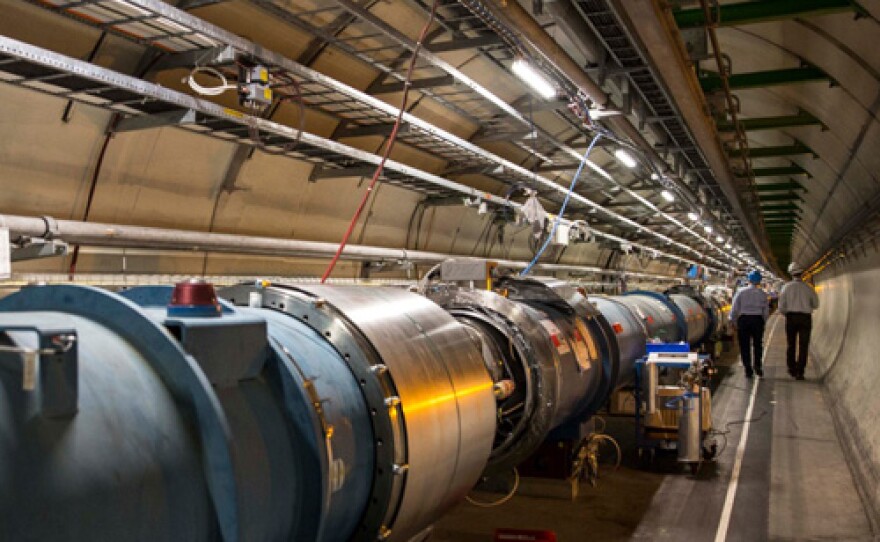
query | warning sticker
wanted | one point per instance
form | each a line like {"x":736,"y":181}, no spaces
{"x":556,"y":336}
{"x":583,"y":346}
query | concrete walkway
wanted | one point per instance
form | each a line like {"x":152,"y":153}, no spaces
{"x":792,"y":483}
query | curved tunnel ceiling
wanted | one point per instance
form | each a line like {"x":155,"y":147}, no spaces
{"x":817,"y":65}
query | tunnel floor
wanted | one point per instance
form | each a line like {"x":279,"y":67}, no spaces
{"x":792,"y":481}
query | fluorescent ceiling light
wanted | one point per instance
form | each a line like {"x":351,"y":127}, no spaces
{"x":667,"y":195}
{"x":600,"y":113}
{"x":727,"y":246}
{"x":655,"y":177}
{"x":533,"y":78}
{"x":719,"y":239}
{"x":707,"y":228}
{"x":625,"y":158}
{"x":693,"y":216}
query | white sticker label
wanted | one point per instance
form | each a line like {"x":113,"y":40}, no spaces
{"x":5,"y":258}
{"x":29,"y":372}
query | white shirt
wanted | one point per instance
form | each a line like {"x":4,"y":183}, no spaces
{"x":798,"y":296}
{"x":751,"y":301}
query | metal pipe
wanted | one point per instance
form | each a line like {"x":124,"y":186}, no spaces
{"x":122,"y":236}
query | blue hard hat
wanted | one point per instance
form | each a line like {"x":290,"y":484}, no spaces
{"x":755,"y":277}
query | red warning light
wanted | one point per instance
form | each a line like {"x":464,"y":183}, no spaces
{"x":523,"y":535}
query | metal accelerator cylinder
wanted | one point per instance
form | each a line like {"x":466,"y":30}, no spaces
{"x":661,"y":317}
{"x":545,"y":337}
{"x":322,"y":413}
{"x":629,"y":334}
{"x":695,"y":316}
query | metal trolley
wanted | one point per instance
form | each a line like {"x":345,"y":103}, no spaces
{"x":678,"y":413}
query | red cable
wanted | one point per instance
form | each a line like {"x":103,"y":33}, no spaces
{"x":388,"y":147}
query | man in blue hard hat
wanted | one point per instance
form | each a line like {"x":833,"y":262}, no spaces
{"x":797,"y":302}
{"x":749,"y":313}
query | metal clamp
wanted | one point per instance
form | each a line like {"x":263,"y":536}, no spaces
{"x":59,"y":368}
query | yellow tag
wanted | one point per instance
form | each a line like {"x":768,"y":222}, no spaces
{"x":264,"y":75}
{"x":267,"y":93}
{"x":233,"y":112}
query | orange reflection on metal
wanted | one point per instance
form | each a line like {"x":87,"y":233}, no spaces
{"x":436,"y":400}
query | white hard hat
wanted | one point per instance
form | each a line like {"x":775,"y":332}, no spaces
{"x":795,"y":269}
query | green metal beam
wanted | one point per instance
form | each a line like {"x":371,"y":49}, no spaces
{"x":780,"y":207}
{"x":773,"y":123}
{"x":776,"y":187}
{"x":772,"y":152}
{"x":780,"y":197}
{"x":787,"y":210}
{"x":757,"y":12}
{"x":711,"y":81}
{"x":780,"y":171}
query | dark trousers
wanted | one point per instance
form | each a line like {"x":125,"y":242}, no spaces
{"x":750,"y":332}
{"x":797,"y":330}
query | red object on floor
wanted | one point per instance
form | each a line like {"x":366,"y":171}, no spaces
{"x":523,"y":535}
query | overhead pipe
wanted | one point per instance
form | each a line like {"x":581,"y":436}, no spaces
{"x":542,"y":42}
{"x":123,"y":236}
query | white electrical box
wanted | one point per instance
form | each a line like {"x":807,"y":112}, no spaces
{"x":562,"y":235}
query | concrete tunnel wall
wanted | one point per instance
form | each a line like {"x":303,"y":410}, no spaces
{"x":844,"y":347}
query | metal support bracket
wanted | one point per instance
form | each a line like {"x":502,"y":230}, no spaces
{"x":58,"y":362}
{"x":177,"y":117}
{"x":215,"y":56}
{"x":27,"y":248}
{"x":319,"y":172}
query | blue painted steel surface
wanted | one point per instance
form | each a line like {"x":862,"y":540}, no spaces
{"x":337,"y":470}
{"x":129,"y":463}
{"x":629,"y":335}
{"x":696,"y":318}
{"x":127,"y":455}
{"x":157,"y":349}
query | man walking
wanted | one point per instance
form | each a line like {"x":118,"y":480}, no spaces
{"x":797,"y":302}
{"x":749,"y":313}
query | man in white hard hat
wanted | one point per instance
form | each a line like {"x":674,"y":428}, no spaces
{"x":797,"y":302}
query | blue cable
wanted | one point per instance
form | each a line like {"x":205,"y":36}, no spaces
{"x":574,"y":181}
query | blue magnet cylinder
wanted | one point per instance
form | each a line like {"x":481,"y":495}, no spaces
{"x":246,"y":426}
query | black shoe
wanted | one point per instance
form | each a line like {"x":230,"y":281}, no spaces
{"x":749,"y":374}
{"x":800,"y":377}
{"x":759,"y":372}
